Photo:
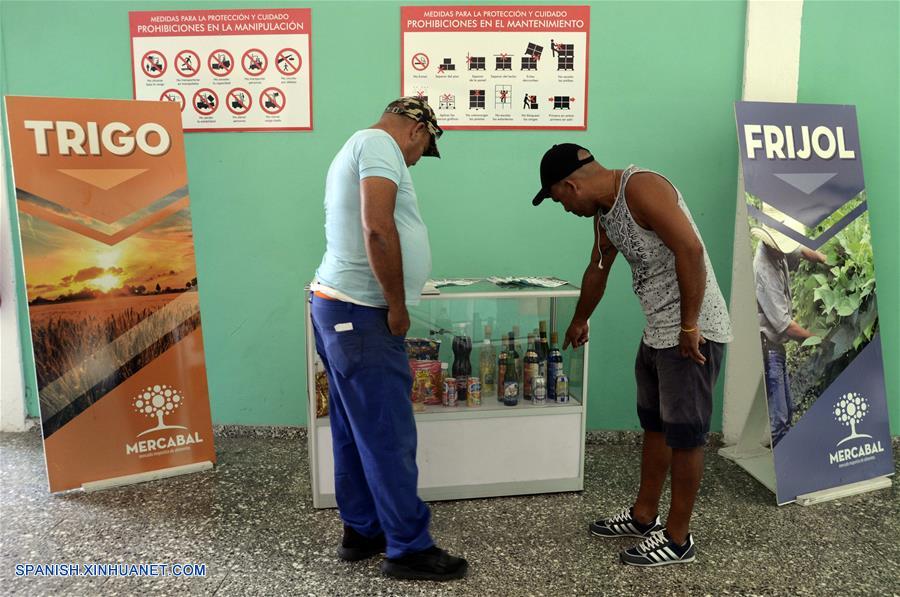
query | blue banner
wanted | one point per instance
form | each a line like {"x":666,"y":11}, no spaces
{"x":816,"y":295}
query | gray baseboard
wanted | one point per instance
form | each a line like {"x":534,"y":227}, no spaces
{"x":593,"y":437}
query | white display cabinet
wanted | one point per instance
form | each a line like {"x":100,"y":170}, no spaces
{"x":487,"y":450}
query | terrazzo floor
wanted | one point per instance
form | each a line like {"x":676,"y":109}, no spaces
{"x":251,"y":522}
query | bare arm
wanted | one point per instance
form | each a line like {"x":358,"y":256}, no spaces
{"x":593,"y":285}
{"x":654,"y":204}
{"x":379,"y":196}
{"x":797,"y":332}
{"x":813,"y":256}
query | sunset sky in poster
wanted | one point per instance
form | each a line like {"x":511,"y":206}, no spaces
{"x":60,"y":262}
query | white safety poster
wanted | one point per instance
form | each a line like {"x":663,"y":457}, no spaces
{"x":498,"y":67}
{"x":229,"y":70}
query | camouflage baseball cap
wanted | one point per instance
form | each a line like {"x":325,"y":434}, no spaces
{"x":419,"y":110}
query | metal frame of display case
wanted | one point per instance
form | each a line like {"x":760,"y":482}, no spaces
{"x":503,"y":439}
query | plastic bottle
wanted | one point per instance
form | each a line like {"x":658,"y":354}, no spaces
{"x":462,"y":365}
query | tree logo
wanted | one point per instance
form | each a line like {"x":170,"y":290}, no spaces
{"x":158,"y":401}
{"x":849,"y":410}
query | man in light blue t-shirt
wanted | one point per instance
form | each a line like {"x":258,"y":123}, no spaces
{"x":376,"y":262}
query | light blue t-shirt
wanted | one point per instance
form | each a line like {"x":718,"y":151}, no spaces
{"x":345,"y":266}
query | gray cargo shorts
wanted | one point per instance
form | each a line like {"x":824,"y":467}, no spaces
{"x":674,"y":394}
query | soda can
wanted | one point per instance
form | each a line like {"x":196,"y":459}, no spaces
{"x":539,"y":391}
{"x":562,"y":389}
{"x":473,"y":394}
{"x":531,"y":372}
{"x":462,"y":388}
{"x":554,"y":371}
{"x":449,"y":391}
{"x":510,"y":392}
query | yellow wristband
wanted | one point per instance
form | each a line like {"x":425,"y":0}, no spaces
{"x":688,"y":330}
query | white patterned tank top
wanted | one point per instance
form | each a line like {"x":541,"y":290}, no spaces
{"x":654,"y":280}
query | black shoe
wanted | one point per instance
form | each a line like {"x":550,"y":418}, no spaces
{"x":429,"y":564}
{"x":660,"y":550}
{"x":624,"y":524}
{"x":356,"y":547}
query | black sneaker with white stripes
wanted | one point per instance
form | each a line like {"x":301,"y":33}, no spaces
{"x":659,"y":550}
{"x":623,"y":524}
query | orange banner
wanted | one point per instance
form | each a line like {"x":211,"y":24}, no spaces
{"x":105,"y":224}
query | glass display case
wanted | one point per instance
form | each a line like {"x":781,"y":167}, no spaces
{"x":495,"y":439}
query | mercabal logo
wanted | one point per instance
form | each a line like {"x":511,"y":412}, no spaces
{"x":156,"y":402}
{"x":850,"y":409}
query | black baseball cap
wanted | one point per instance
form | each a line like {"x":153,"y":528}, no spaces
{"x":559,"y":162}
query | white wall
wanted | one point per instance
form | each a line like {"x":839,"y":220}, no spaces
{"x":771,"y":73}
{"x":12,"y":386}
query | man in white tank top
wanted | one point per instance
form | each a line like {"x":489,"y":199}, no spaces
{"x":641,"y":215}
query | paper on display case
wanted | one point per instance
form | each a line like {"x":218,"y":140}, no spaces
{"x":519,"y":281}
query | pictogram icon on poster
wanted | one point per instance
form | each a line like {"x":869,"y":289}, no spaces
{"x":187,"y":63}
{"x":220,"y":63}
{"x":154,"y":64}
{"x":561,"y":102}
{"x":447,"y":102}
{"x":254,"y":62}
{"x":238,"y":101}
{"x":420,"y":61}
{"x":272,"y":100}
{"x":205,"y":101}
{"x":173,"y":95}
{"x":288,"y":61}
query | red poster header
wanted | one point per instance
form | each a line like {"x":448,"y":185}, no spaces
{"x":170,"y":23}
{"x":495,"y":18}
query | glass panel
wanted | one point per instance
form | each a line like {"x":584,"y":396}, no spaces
{"x":443,"y":319}
{"x":456,"y":312}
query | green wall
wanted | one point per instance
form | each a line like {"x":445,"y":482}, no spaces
{"x":850,"y":54}
{"x":663,"y":79}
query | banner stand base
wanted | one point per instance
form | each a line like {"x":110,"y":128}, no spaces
{"x":174,"y":471}
{"x":817,"y":497}
{"x":758,"y":462}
